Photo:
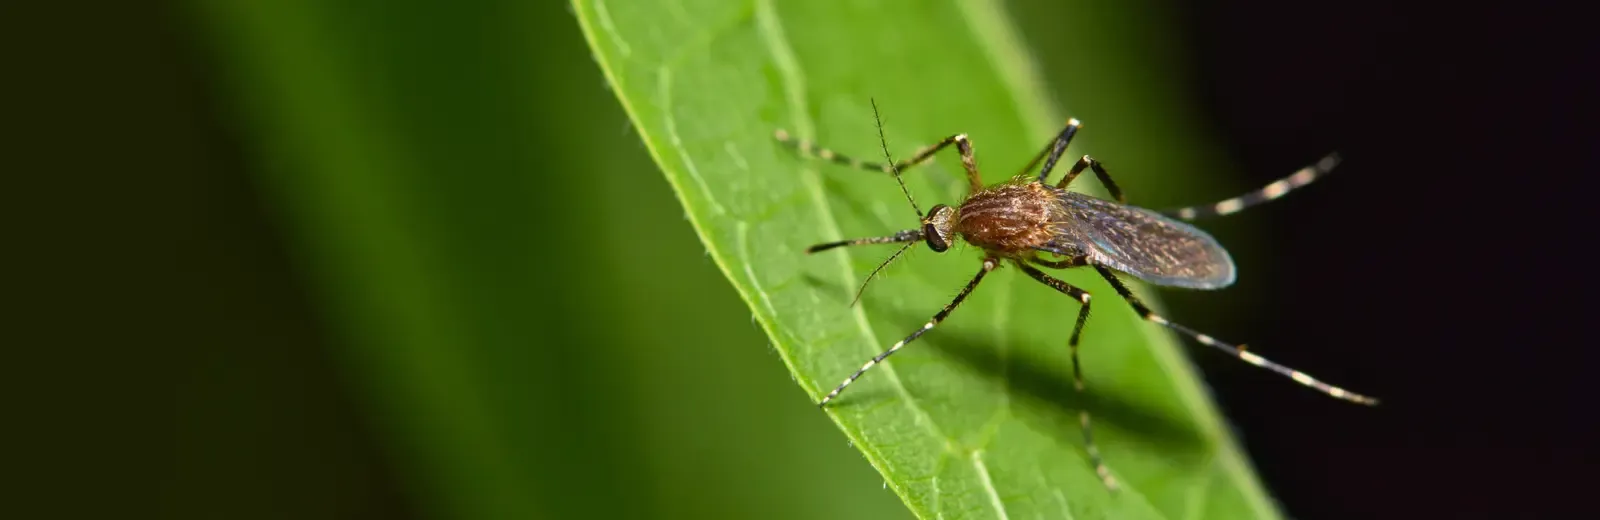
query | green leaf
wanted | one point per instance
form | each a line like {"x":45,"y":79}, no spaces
{"x":978,"y":419}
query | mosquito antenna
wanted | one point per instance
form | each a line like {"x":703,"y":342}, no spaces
{"x":893,"y":168}
{"x":875,"y":271}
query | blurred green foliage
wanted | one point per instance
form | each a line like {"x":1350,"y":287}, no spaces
{"x":505,"y":269}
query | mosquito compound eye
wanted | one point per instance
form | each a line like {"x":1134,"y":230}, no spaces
{"x":936,"y":228}
{"x":936,"y":242}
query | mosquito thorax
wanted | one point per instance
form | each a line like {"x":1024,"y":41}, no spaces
{"x":936,"y":227}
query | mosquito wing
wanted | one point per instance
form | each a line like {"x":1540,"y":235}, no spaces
{"x":1140,"y":242}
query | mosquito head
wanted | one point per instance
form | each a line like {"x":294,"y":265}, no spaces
{"x":936,"y":227}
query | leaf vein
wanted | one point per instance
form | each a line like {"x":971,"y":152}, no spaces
{"x":742,"y":236}
{"x":703,"y":39}
{"x":610,"y":28}
{"x":664,"y":92}
{"x":1066,"y":511}
{"x":988,"y":484}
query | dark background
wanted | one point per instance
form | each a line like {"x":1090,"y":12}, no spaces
{"x":1446,"y":279}
{"x":169,"y":357}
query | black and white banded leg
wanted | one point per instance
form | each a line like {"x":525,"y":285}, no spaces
{"x":1099,"y":172}
{"x":1271,"y":191}
{"x":1055,"y":149}
{"x":1077,"y":373}
{"x":988,"y":265}
{"x":963,"y":145}
{"x":1236,"y":350}
{"x":1067,"y":263}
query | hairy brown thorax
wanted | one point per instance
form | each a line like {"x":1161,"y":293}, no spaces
{"x":1008,"y":220}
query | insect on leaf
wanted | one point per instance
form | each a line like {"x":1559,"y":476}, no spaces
{"x":978,"y":418}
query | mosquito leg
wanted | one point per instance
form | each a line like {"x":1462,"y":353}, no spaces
{"x":1076,"y":261}
{"x":964,"y":145}
{"x":1077,"y":373}
{"x":1237,"y":351}
{"x":1055,"y":149}
{"x":1035,"y":160}
{"x":1099,"y":171}
{"x":988,"y":265}
{"x":1271,"y":191}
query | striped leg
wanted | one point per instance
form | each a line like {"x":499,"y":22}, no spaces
{"x":1237,"y":351}
{"x":963,"y":145}
{"x":1099,"y":171}
{"x":1052,"y":151}
{"x":1271,"y":191}
{"x":1076,"y":261}
{"x":1077,"y":373}
{"x":988,"y":265}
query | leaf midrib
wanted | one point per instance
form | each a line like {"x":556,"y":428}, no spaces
{"x":793,"y":81}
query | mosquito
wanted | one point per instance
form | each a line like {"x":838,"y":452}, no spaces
{"x":1021,"y":220}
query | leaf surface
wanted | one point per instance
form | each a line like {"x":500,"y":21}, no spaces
{"x":978,"y":418}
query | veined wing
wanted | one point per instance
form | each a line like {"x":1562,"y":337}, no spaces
{"x":1141,"y":242}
